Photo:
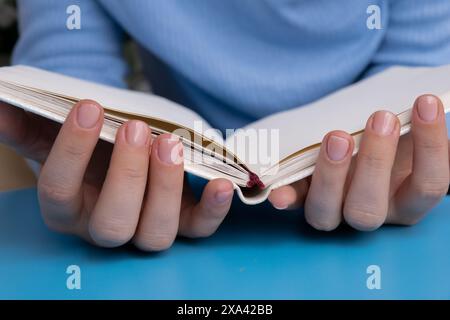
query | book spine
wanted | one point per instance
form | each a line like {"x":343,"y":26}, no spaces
{"x":254,"y":181}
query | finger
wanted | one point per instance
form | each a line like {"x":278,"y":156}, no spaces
{"x":366,"y":203}
{"x":323,"y":206}
{"x":30,"y":135}
{"x":429,"y":179}
{"x":290,"y":197}
{"x":60,"y":181}
{"x":402,"y":167}
{"x":158,"y":225}
{"x":116,"y":214}
{"x":203,"y":219}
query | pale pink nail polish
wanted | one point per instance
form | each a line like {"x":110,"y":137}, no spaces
{"x":383,"y":122}
{"x":88,"y":115}
{"x":137,"y":133}
{"x":427,"y":108}
{"x":170,"y":150}
{"x":337,"y":148}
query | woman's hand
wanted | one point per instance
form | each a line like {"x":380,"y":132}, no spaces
{"x":391,"y":180}
{"x":110,"y":195}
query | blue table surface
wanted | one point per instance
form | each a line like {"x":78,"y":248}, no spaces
{"x":258,"y":253}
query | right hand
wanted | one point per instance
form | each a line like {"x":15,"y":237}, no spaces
{"x":112,"y":194}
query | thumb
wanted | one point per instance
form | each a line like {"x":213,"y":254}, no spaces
{"x":291,"y":196}
{"x":203,"y":218}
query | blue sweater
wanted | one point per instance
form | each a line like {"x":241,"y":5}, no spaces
{"x":234,"y":61}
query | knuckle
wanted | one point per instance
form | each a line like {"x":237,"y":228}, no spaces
{"x":166,"y":186}
{"x":54,"y":192}
{"x":432,"y":189}
{"x":169,"y":181}
{"x":152,"y":242}
{"x":363,"y":217}
{"x":75,"y":151}
{"x":132,"y":173}
{"x":374,"y":161}
{"x":110,"y":234}
{"x":432,"y":146}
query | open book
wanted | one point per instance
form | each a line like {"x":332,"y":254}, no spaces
{"x":272,"y":152}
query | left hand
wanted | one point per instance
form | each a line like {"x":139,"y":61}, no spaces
{"x":391,"y":180}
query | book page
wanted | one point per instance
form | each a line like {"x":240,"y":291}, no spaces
{"x":132,"y":102}
{"x":348,"y":109}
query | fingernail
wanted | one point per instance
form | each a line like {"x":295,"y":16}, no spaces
{"x":136,"y":133}
{"x":88,"y":115}
{"x":337,"y":148}
{"x":427,"y":107}
{"x":223,"y":196}
{"x":383,"y":123}
{"x":170,"y":150}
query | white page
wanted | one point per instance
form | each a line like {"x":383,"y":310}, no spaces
{"x":147,"y":105}
{"x":348,"y":109}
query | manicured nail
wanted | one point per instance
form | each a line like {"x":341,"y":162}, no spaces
{"x":137,"y":133}
{"x":170,"y":150}
{"x":223,"y":196}
{"x":427,"y":107}
{"x":383,"y":122}
{"x":88,"y":115}
{"x":337,"y":148}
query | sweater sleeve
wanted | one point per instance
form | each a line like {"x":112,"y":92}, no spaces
{"x":418,"y":34}
{"x":93,"y":52}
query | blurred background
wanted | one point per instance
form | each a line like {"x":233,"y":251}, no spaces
{"x":8,"y":29}
{"x":14,"y":171}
